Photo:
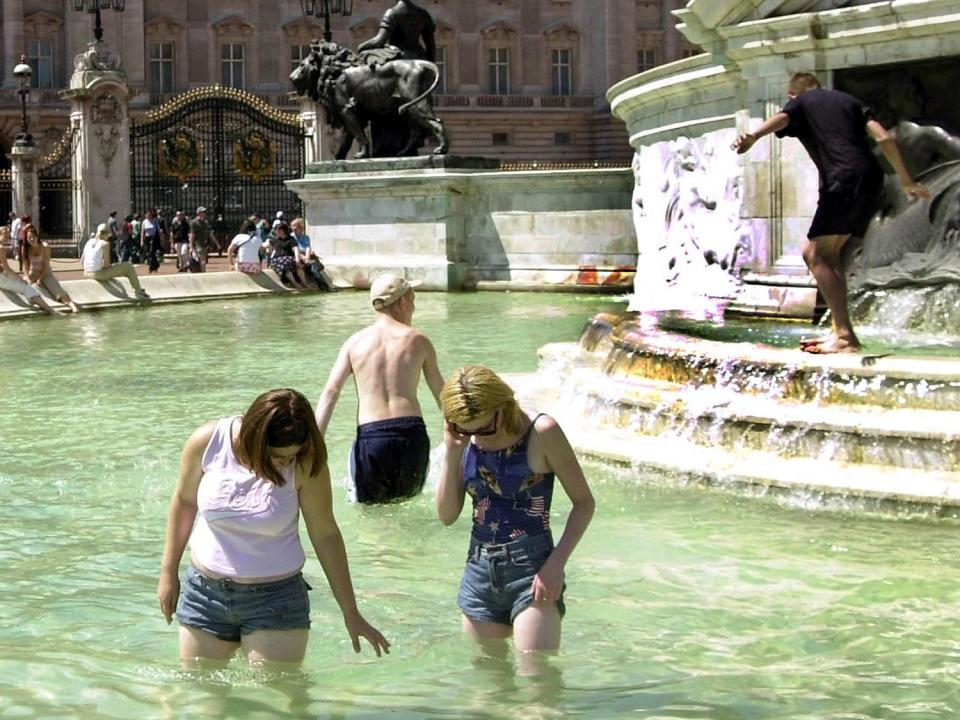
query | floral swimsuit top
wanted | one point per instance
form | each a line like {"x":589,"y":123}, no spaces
{"x":510,"y":501}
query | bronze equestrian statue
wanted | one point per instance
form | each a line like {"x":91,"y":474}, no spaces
{"x":387,"y":84}
{"x":353,"y":92}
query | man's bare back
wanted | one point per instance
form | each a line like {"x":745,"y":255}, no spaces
{"x":387,"y":359}
{"x":391,"y":454}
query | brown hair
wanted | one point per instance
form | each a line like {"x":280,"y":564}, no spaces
{"x":276,"y":419}
{"x":801,"y":82}
{"x":475,"y":390}
{"x":23,"y":245}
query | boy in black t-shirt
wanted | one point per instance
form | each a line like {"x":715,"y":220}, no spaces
{"x":833,"y":127}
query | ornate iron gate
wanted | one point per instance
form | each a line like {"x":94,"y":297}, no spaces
{"x":56,"y":193}
{"x":220,"y":148}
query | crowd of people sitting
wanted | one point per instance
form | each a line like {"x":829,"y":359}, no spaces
{"x":284,"y":246}
{"x":121,"y":243}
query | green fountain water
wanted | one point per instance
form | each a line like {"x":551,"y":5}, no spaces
{"x":683,"y":602}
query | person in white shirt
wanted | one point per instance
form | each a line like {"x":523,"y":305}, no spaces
{"x":244,"y":250}
{"x":96,"y":262}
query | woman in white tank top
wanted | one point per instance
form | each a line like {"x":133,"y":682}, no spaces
{"x":244,"y":481}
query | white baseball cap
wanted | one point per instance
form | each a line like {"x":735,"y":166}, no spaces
{"x":385,"y":290}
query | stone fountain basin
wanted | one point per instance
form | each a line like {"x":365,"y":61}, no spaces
{"x":753,"y":416}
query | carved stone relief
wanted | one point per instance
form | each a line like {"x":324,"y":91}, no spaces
{"x":687,"y":211}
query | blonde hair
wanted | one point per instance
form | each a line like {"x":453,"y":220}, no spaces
{"x":298,"y":222}
{"x":803,"y":81}
{"x":474,"y":391}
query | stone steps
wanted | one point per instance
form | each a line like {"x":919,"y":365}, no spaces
{"x":848,"y":379}
{"x":746,"y":414}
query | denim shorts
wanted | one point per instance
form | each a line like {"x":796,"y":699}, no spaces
{"x":229,"y":609}
{"x":497,"y":582}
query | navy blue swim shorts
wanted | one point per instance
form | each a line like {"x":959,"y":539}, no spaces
{"x":390,"y":459}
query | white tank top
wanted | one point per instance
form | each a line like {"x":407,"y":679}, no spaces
{"x":246,"y":527}
{"x":93,"y":255}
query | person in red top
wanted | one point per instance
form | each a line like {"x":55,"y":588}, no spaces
{"x":833,"y":127}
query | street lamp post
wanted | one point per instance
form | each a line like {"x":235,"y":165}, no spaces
{"x":93,"y":7}
{"x":24,"y":74}
{"x":324,"y":9}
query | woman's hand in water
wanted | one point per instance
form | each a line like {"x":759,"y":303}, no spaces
{"x":358,"y":627}
{"x":168,"y":592}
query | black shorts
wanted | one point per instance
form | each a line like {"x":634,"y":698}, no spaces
{"x":390,"y":459}
{"x":847,"y":210}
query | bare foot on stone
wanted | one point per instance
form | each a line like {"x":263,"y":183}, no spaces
{"x":806,"y":342}
{"x":832,"y":346}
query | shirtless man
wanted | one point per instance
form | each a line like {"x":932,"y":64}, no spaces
{"x":391,"y":454}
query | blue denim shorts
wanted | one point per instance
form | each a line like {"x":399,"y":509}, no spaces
{"x":230,"y":609}
{"x":497,"y":582}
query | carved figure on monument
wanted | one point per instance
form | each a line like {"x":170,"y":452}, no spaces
{"x":108,"y":137}
{"x":106,"y":110}
{"x":406,"y":34}
{"x":909,"y":243}
{"x":406,"y":30}
{"x":693,"y":242}
{"x":97,"y":57}
{"x":353,"y":93}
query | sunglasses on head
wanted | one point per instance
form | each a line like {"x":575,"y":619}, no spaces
{"x":490,"y":429}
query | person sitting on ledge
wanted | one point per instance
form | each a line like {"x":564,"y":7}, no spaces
{"x":36,"y":267}
{"x":95,"y":259}
{"x":244,"y":250}
{"x":10,"y":280}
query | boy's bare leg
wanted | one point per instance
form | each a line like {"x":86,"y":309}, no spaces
{"x":822,"y":255}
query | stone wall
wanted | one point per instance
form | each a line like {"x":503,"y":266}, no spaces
{"x":457,"y":228}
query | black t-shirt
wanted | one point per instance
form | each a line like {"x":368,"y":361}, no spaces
{"x":283,"y":247}
{"x":181,"y":230}
{"x":832,"y":126}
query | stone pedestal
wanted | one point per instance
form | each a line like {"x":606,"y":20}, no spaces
{"x":458,"y":223}
{"x":24,"y":161}
{"x":99,"y":114}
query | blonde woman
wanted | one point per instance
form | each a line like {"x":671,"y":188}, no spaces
{"x":95,"y":259}
{"x":506,"y":459}
{"x":36,"y":267}
{"x":11,"y":281}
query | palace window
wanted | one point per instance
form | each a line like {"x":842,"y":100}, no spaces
{"x":231,"y":65}
{"x":561,"y":71}
{"x":441,"y":62}
{"x":297,"y":54}
{"x":499,"y":65}
{"x":161,"y":67}
{"x":40,"y":60}
{"x":647,"y":58}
